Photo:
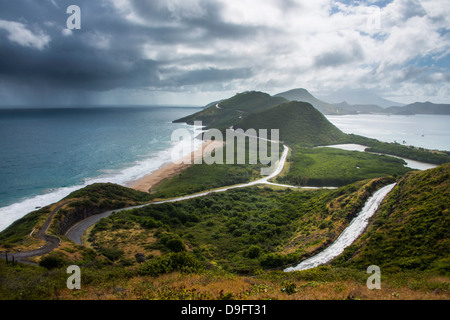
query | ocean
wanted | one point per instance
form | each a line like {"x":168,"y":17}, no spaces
{"x":48,"y":153}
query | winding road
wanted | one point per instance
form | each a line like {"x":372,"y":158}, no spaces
{"x":75,"y":233}
{"x":51,"y":242}
{"x":356,"y":227}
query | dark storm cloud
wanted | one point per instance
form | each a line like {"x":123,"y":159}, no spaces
{"x":107,"y":53}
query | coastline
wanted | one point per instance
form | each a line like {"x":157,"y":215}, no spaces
{"x":171,"y":169}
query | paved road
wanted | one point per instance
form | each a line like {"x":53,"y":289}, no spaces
{"x":51,"y":242}
{"x":76,"y":232}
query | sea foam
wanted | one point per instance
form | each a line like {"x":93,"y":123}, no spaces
{"x":125,"y":177}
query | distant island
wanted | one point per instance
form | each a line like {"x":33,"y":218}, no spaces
{"x":343,"y":107}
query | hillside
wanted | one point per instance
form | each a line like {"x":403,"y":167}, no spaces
{"x":359,"y":108}
{"x":411,"y":230}
{"x":227,"y":112}
{"x":420,"y":108}
{"x":299,"y":124}
{"x":303,"y":95}
{"x":359,"y":97}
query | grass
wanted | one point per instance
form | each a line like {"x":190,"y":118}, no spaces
{"x":203,"y":177}
{"x":334,"y":167}
{"x":412,"y":227}
{"x":114,"y":283}
{"x":403,"y":151}
{"x":240,"y":230}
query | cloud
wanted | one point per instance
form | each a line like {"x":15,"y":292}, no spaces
{"x":19,"y":33}
{"x":351,"y":53}
{"x":192,"y":46}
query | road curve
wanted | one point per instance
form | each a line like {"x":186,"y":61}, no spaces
{"x":51,"y":242}
{"x":349,"y":235}
{"x":75,"y":233}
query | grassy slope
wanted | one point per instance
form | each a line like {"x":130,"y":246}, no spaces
{"x":101,"y":277}
{"x":233,"y":108}
{"x":240,"y":230}
{"x":411,"y":229}
{"x":299,"y":124}
{"x":101,"y":197}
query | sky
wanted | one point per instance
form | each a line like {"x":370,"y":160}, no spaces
{"x":192,"y":52}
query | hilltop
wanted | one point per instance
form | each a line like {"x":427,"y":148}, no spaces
{"x":226,"y":113}
{"x":359,"y":97}
{"x":301,"y":94}
{"x":362,"y":102}
{"x":420,"y":108}
{"x":299,"y":122}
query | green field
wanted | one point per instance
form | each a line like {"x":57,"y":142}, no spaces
{"x":333,"y":167}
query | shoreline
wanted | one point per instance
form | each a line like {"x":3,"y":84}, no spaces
{"x":169,"y":170}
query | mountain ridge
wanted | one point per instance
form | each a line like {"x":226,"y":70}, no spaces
{"x":298,"y":122}
{"x":301,"y":94}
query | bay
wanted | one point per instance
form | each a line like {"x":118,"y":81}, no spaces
{"x":426,"y":131}
{"x":49,"y":152}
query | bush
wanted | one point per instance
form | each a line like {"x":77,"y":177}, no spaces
{"x":112,"y":253}
{"x":253,"y":252}
{"x":175,"y":245}
{"x":51,"y":262}
{"x":273,"y":260}
{"x":180,"y":261}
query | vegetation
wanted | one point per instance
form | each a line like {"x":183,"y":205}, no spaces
{"x":203,"y":177}
{"x":299,"y":124}
{"x":234,"y":244}
{"x":21,"y":228}
{"x":230,"y":110}
{"x":92,"y":199}
{"x":396,"y":149}
{"x":240,"y":230}
{"x":116,"y":283}
{"x":412,"y":227}
{"x":334,"y":167}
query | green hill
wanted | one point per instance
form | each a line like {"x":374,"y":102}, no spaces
{"x":226,"y":113}
{"x":411,"y":229}
{"x":299,"y":124}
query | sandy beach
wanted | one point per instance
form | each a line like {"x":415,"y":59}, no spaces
{"x":171,"y":169}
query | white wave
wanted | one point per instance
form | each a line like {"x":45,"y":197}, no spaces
{"x":124,"y":177}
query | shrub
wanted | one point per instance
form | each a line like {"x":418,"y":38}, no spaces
{"x":273,"y":260}
{"x":180,"y":261}
{"x":51,"y":262}
{"x":175,"y":245}
{"x":112,"y":253}
{"x":253,"y":252}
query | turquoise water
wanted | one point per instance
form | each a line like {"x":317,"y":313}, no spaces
{"x":48,"y":153}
